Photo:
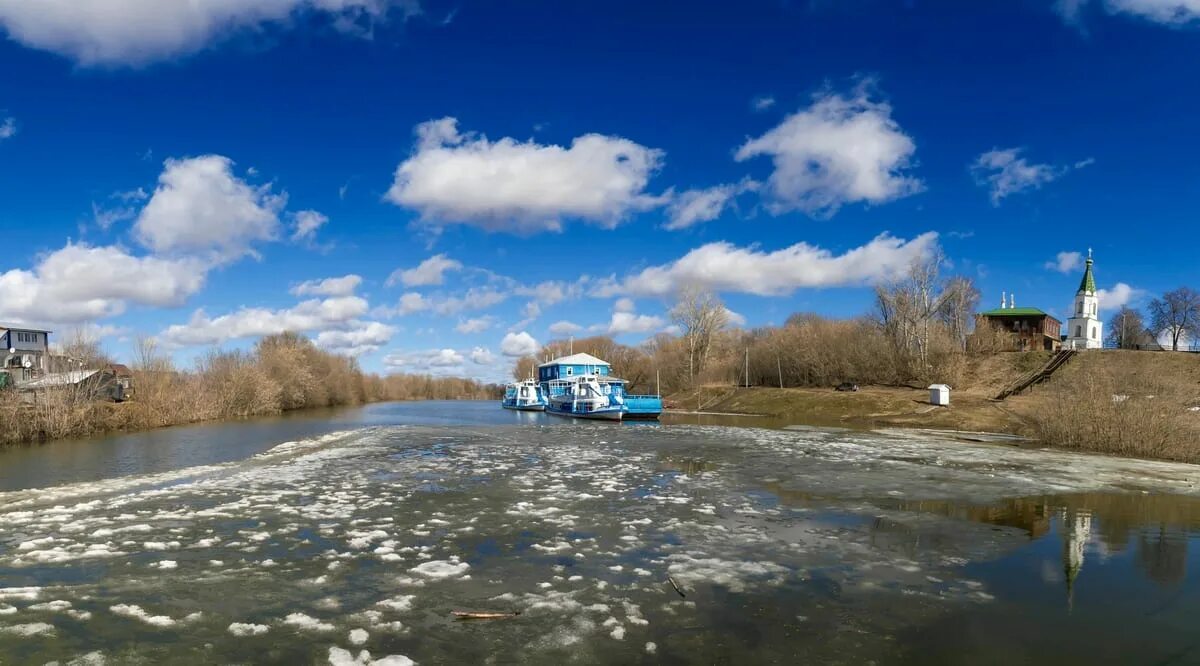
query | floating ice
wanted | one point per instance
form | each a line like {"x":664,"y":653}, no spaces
{"x":245,"y":629}
{"x":31,"y":629}
{"x":137,"y":613}
{"x":342,"y":657}
{"x":440,"y":569}
{"x":359,"y":636}
{"x":307,"y":622}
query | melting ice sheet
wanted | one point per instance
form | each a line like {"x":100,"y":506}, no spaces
{"x":355,"y":547}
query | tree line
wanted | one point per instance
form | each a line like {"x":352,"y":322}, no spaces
{"x":1171,"y":321}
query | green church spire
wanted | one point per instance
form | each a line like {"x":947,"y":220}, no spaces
{"x":1088,"y":284}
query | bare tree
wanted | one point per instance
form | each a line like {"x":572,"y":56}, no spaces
{"x":1126,"y":329}
{"x":700,"y":315}
{"x":907,"y":309}
{"x":1177,"y":314}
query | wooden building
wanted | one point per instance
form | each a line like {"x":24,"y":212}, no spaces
{"x":1031,"y":328}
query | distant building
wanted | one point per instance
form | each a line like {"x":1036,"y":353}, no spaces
{"x":1031,"y":328}
{"x":1084,"y":329}
{"x":24,"y":351}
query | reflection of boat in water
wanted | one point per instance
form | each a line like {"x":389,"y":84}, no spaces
{"x":581,"y":386}
{"x":524,"y":396}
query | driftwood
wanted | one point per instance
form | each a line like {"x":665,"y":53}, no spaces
{"x":485,"y":615}
{"x":676,"y":586}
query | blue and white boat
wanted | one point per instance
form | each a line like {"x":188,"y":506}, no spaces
{"x":581,"y":386}
{"x":526,"y":396}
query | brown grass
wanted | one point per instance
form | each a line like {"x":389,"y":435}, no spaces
{"x":1123,"y":403}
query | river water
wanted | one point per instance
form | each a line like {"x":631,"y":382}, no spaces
{"x":352,"y":536}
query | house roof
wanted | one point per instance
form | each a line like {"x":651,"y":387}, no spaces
{"x":1088,"y":284}
{"x":9,"y":327}
{"x":576,"y":359}
{"x":56,"y":379}
{"x":120,"y":369}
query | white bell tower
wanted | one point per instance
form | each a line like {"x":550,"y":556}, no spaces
{"x":1084,"y":329}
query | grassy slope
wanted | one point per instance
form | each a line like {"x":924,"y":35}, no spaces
{"x":971,"y":407}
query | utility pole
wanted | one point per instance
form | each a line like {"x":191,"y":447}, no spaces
{"x":779,"y":369}
{"x":747,"y":367}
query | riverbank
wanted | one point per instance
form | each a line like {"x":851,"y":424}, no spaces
{"x":1135,"y":404}
{"x":283,"y":373}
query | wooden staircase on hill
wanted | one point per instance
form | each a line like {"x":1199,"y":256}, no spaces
{"x":1038,"y":376}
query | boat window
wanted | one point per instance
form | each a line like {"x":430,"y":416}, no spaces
{"x":570,"y":371}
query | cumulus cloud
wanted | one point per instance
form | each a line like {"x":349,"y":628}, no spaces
{"x":552,"y":291}
{"x":8,"y":128}
{"x":305,"y":224}
{"x":1005,"y":172}
{"x":522,"y":187}
{"x":477,"y":325}
{"x":313,"y":315}
{"x":433,"y":361}
{"x":1173,"y":13}
{"x":1066,"y":262}
{"x":135,"y":32}
{"x":334,"y":286}
{"x":362,"y":338}
{"x":692,"y":207}
{"x":200,"y":206}
{"x":482,"y":356}
{"x":1119,"y":296}
{"x":727,"y":268}
{"x":519,"y":344}
{"x":432,"y":271}
{"x":840,"y":150}
{"x":475,"y":298}
{"x":565,"y":328}
{"x":81,"y":283}
{"x":412,"y":302}
{"x":631,"y":322}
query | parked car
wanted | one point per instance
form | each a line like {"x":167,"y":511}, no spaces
{"x":846,"y":386}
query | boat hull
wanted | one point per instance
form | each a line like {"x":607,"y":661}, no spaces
{"x":596,"y":415}
{"x":525,"y":408}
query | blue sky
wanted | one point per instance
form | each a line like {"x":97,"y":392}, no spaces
{"x":474,"y":179}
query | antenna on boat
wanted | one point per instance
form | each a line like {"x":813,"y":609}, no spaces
{"x":572,"y":343}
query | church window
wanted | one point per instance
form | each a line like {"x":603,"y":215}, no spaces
{"x":1079,"y":307}
{"x":1093,"y":332}
{"x":1079,"y":331}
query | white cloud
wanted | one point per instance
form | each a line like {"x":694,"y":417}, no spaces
{"x":1006,"y":173}
{"x":762,"y":102}
{"x":477,"y":325}
{"x":1120,"y":295}
{"x":482,"y":356}
{"x":8,"y":128}
{"x":412,"y":302}
{"x":340,"y":312}
{"x":1066,"y":262}
{"x":134,"y":32}
{"x":838,"y":151}
{"x":565,"y":328}
{"x":335,"y":286}
{"x":631,"y":322}
{"x":728,"y":268}
{"x":519,"y":344}
{"x":624,"y":305}
{"x":81,"y":283}
{"x":305,"y":224}
{"x":1174,"y":13}
{"x":735,"y":318}
{"x":200,"y":206}
{"x":522,"y":187}
{"x":476,"y":298}
{"x":552,"y":291}
{"x":432,"y":271}
{"x":692,"y":207}
{"x":362,"y":338}
{"x":442,"y":362}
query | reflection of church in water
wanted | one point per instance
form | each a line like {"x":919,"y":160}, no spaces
{"x":1076,"y":532}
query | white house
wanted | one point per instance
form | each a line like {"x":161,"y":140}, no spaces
{"x":1084,"y":329}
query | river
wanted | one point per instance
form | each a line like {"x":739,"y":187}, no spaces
{"x":351,"y":536}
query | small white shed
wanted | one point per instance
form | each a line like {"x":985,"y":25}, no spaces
{"x":939,"y":394}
